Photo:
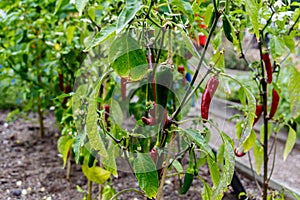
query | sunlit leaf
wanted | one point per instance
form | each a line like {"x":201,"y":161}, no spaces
{"x":294,"y":93}
{"x":64,"y":144}
{"x":290,"y":142}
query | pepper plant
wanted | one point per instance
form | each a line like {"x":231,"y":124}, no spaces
{"x":140,"y":55}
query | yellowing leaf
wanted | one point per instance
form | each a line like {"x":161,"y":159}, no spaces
{"x":95,"y":174}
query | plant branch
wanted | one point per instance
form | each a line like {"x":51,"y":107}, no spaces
{"x":293,"y":26}
{"x":187,"y":95}
{"x":265,"y":113}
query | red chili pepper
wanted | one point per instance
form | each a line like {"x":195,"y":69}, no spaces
{"x":268,"y":66}
{"x":106,"y":109}
{"x":209,"y":92}
{"x":153,"y":120}
{"x":274,"y":105}
{"x":238,"y":154}
{"x":181,"y":70}
{"x":123,"y":88}
{"x":154,"y":154}
{"x":148,"y":121}
{"x":258,"y":111}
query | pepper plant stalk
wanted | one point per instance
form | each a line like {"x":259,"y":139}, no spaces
{"x":265,"y":119}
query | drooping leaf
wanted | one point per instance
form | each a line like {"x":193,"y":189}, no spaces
{"x":103,"y":35}
{"x":63,"y":145}
{"x":228,"y":168}
{"x":146,"y":174}
{"x":290,"y":142}
{"x":258,"y":152}
{"x":127,"y":58}
{"x":251,"y":105}
{"x":95,"y":174}
{"x":128,"y":13}
{"x":92,"y":130}
{"x":186,"y":8}
{"x":249,"y":142}
{"x":294,"y":93}
{"x":214,"y":170}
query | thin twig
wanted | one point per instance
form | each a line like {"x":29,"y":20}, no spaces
{"x":274,"y":157}
{"x":253,"y":173}
{"x":163,"y":178}
{"x":126,"y":190}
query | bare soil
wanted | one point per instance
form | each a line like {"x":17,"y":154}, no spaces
{"x":30,"y":168}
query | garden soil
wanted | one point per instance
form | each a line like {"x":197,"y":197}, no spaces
{"x":31,"y":168}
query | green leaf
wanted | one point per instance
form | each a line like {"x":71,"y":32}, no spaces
{"x":290,"y":142}
{"x":294,"y":93}
{"x":63,"y":145}
{"x":70,"y":33}
{"x":252,"y":9}
{"x":80,"y":5}
{"x":57,"y":6}
{"x":104,"y":34}
{"x":258,"y":152}
{"x":95,"y":174}
{"x":200,"y":141}
{"x":109,"y":162}
{"x":228,"y":168}
{"x":78,"y":142}
{"x":91,"y":12}
{"x":214,"y":170}
{"x":116,"y":112}
{"x":128,"y":13}
{"x":185,"y":8}
{"x":206,"y":192}
{"x":220,"y":156}
{"x":92,"y":130}
{"x":249,"y":142}
{"x":217,"y":40}
{"x":289,"y":42}
{"x":108,"y":192}
{"x":277,"y":46}
{"x":127,"y":58}
{"x":187,"y":42}
{"x":177,"y":165}
{"x":146,"y":174}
